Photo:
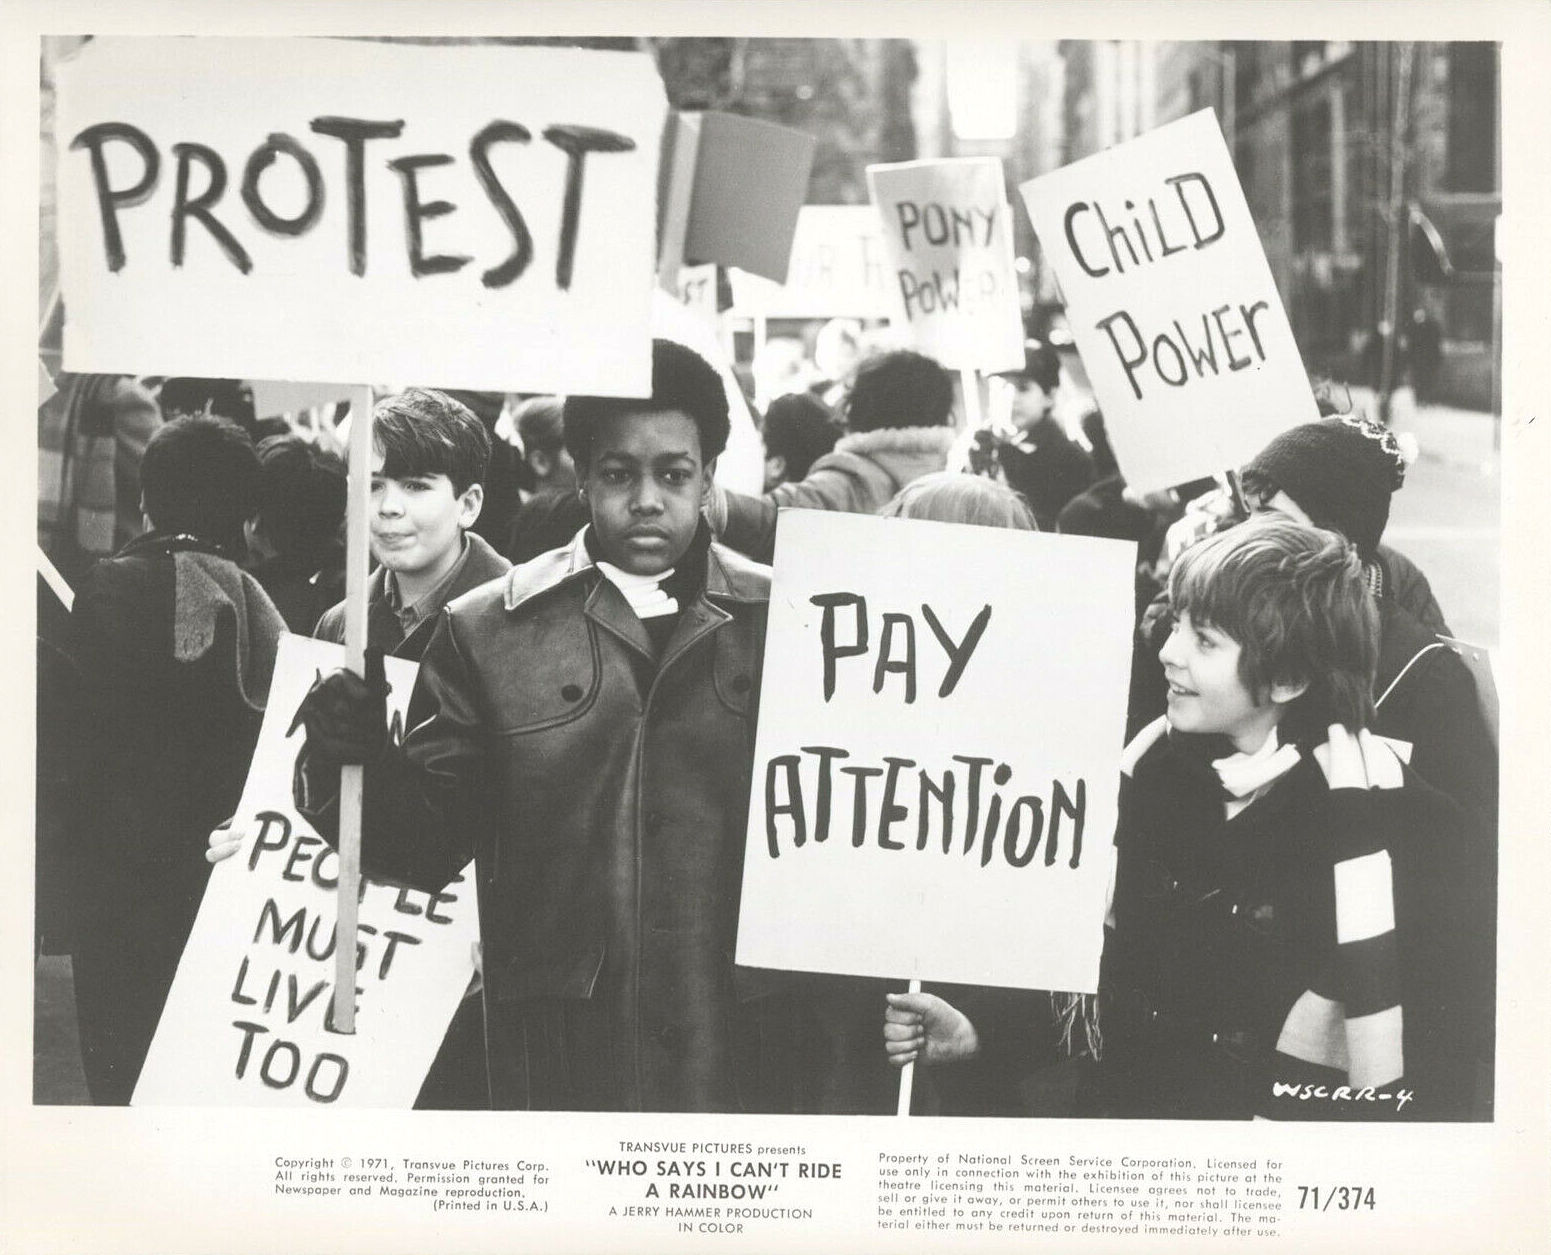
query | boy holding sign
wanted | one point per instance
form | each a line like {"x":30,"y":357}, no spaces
{"x":584,"y":729}
{"x":1298,"y":918}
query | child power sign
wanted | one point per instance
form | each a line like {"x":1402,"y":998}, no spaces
{"x":938,"y":755}
{"x":1171,"y":303}
{"x":338,"y":210}
{"x":947,"y":232}
{"x":249,"y":1019}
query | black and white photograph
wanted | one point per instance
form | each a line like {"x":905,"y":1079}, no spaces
{"x":666,"y":628}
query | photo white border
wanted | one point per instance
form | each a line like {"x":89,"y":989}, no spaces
{"x":88,"y":1180}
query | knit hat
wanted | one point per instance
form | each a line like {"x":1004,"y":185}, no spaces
{"x":1341,"y":472}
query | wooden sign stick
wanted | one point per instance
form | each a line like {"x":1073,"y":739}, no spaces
{"x":907,"y":1074}
{"x":358,"y":525}
{"x":972,"y":414}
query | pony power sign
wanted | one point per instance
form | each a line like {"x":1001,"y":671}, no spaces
{"x":1171,"y":302}
{"x":947,"y":232}
{"x":329,"y":209}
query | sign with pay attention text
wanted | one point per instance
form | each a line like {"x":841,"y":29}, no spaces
{"x":938,"y":755}
{"x":326,"y":209}
{"x":249,"y":1021}
{"x":1171,"y":303}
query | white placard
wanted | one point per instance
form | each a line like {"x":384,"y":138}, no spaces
{"x":332,"y":210}
{"x":947,"y":231}
{"x":938,"y":755}
{"x":695,"y":286}
{"x":273,"y":397}
{"x":247,"y":1022}
{"x":1171,"y":303}
{"x":838,"y":269}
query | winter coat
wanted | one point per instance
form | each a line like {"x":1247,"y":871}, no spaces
{"x":458,"y":1078}
{"x":860,"y":475}
{"x":480,"y":564}
{"x":176,"y":646}
{"x":303,"y":587}
{"x":1047,"y":466}
{"x":1427,"y":699}
{"x":603,"y":792}
{"x":1223,"y":927}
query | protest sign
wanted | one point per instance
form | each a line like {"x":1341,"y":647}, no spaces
{"x":328,"y":209}
{"x":750,"y":179}
{"x":947,"y":231}
{"x":1171,"y":303}
{"x":695,"y":286}
{"x":249,"y":1019}
{"x":837,"y":270}
{"x":936,"y":771}
{"x":273,"y":397}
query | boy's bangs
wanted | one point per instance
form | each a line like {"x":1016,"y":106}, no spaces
{"x":412,"y":449}
{"x":1211,"y":590}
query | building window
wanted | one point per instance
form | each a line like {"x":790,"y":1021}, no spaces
{"x":1312,"y":212}
{"x":1473,"y":92}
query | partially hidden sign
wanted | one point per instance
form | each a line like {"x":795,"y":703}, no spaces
{"x":838,"y":269}
{"x":338,"y":210}
{"x":947,"y":229}
{"x":1171,"y":303}
{"x":938,"y":756}
{"x":249,"y":1019}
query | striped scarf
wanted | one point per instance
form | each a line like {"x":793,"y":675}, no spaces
{"x":1351,"y":1018}
{"x":91,"y":435}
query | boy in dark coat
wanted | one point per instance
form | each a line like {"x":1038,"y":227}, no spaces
{"x":1301,"y":927}
{"x":176,"y":645}
{"x":429,"y":462}
{"x":584,"y":729}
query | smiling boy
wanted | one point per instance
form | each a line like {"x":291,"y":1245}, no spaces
{"x":584,"y":729}
{"x":1294,"y":907}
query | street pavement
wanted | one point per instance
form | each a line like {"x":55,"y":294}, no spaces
{"x":1448,"y":517}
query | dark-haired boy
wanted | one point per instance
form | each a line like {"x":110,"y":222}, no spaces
{"x":176,"y":645}
{"x":584,"y":729}
{"x":429,"y":454}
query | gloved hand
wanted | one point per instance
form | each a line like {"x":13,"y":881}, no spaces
{"x":346,"y":716}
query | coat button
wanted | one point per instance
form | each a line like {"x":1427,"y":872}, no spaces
{"x":741,"y":684}
{"x":572,"y":692}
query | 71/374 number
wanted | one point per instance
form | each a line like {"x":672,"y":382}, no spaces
{"x":1337,"y":1197}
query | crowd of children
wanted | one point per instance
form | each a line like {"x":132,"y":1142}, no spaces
{"x":1305,"y":887}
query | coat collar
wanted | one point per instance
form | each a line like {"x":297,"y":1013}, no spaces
{"x":906,"y":440}
{"x":729,"y":576}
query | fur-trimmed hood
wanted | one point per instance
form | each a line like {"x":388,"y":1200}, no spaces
{"x":906,"y":453}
